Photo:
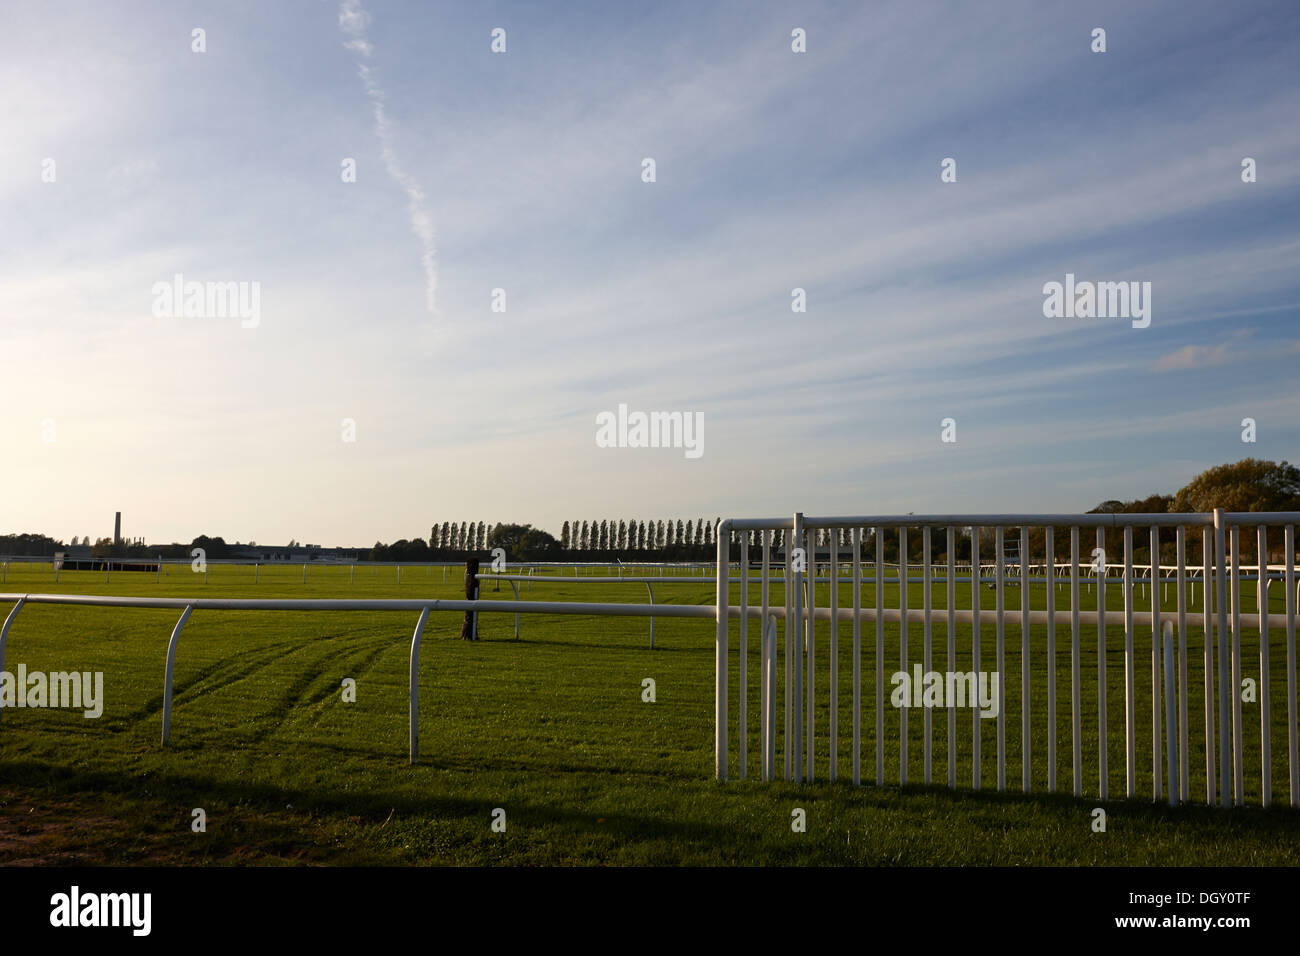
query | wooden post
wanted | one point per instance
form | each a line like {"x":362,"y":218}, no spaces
{"x":469,"y":629}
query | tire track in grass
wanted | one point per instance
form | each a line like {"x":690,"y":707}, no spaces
{"x":356,"y":665}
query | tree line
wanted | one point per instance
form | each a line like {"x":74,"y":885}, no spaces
{"x":1244,"y":486}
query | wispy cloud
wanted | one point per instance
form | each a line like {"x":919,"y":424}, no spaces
{"x":353,"y":21}
{"x":1192,"y":356}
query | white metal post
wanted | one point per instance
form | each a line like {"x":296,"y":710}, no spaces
{"x":1076,"y":693}
{"x":167,"y":681}
{"x":720,"y":650}
{"x":4,"y":641}
{"x":1265,"y":710}
{"x":1171,"y":765}
{"x":1184,"y":781}
{"x":952,"y":654}
{"x":902,"y":651}
{"x":768,"y":676}
{"x":855,"y":541}
{"x":1234,"y":601}
{"x":1050,"y":543}
{"x":1025,"y":695}
{"x":880,"y":656}
{"x":744,"y":649}
{"x":794,"y":648}
{"x":832,"y":535}
{"x":1155,"y":662}
{"x":927,"y":628}
{"x":1207,"y":626}
{"x":999,"y":544}
{"x":810,"y":645}
{"x":1103,"y":769}
{"x":415,"y":686}
{"x":1130,"y":704}
{"x":1225,"y":687}
{"x":976,"y":603}
{"x":1291,"y":712}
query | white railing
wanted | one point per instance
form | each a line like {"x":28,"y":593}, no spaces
{"x":188,"y":605}
{"x":1222,"y":567}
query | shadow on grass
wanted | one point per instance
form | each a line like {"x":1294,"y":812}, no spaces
{"x":375,"y":806}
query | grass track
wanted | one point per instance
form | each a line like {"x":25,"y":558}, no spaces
{"x":552,"y":729}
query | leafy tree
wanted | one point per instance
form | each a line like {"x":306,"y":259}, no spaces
{"x":523,"y":542}
{"x":1248,"y":485}
{"x":564,"y":535}
{"x":212,"y":547}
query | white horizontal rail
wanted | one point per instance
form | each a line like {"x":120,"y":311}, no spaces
{"x":189,"y":605}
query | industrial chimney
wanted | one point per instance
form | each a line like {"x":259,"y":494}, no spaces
{"x":117,"y":530}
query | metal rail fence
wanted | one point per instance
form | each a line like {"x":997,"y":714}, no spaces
{"x":1170,"y":692}
{"x":1221,"y":569}
{"x":188,"y":605}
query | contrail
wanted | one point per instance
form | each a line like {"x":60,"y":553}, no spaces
{"x":353,"y":21}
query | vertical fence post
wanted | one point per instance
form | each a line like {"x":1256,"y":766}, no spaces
{"x":720,"y":651}
{"x":1155,"y":662}
{"x":880,"y":656}
{"x":768,"y":658}
{"x":744,"y":650}
{"x":927,"y":604}
{"x":976,"y":608}
{"x":1130,"y":703}
{"x":1225,"y":689}
{"x":791,"y":624}
{"x":415,"y":686}
{"x":1207,"y":626}
{"x":977,"y":604}
{"x":1103,"y":768}
{"x":999,"y":545}
{"x":1184,"y":781}
{"x":902,"y":651}
{"x":1025,"y":695}
{"x":768,"y":697}
{"x":1076,"y":690}
{"x":469,"y":625}
{"x":1234,"y":604}
{"x":810,"y":645}
{"x":1170,"y":721}
{"x":951,"y":600}
{"x":1050,"y":544}
{"x":832,"y":536}
{"x":167,"y":679}
{"x":4,"y":640}
{"x":794,"y":647}
{"x":1291,"y":712}
{"x":855,"y":542}
{"x":1265,"y":709}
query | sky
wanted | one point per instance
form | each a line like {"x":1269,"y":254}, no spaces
{"x":376,"y":390}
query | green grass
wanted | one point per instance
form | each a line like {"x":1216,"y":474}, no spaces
{"x":553,"y":730}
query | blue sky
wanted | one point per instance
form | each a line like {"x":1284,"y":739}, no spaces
{"x":775,"y":170}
